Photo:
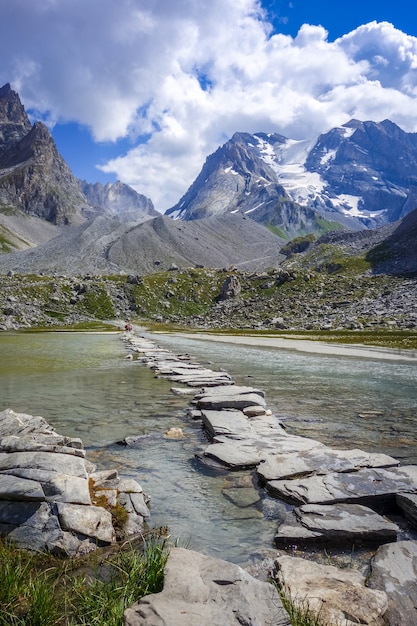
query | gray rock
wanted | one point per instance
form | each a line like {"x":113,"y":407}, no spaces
{"x":202,"y":590}
{"x":13,"y":488}
{"x":93,"y":521}
{"x":226,"y":401}
{"x":364,"y":486}
{"x":334,"y":525}
{"x":49,"y":462}
{"x":408,"y":504}
{"x":337,"y":596}
{"x":230,"y":423}
{"x":232,"y":454}
{"x":320,"y":461}
{"x":394,"y":571}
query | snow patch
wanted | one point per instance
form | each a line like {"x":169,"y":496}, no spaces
{"x":254,"y":208}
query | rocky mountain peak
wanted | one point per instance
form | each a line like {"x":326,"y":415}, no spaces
{"x":359,"y":175}
{"x":14,"y":122}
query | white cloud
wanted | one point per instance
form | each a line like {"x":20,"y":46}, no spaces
{"x":188,"y":75}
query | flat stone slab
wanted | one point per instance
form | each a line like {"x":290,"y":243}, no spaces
{"x":232,"y":455}
{"x":320,"y":461}
{"x":394,"y":571}
{"x":334,"y":525}
{"x":201,"y":590}
{"x":229,"y":423}
{"x":217,"y":401}
{"x":364,"y":486}
{"x":232,"y":391}
{"x":50,"y":462}
{"x":14,"y":488}
{"x":21,"y":424}
{"x":339,"y":596}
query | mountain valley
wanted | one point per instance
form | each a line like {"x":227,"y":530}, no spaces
{"x":274,"y":234}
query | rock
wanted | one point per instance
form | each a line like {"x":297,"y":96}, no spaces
{"x":408,"y":504}
{"x":231,"y":288}
{"x":93,"y":521}
{"x":334,"y":525}
{"x":174,"y":433}
{"x":394,"y":570}
{"x":229,"y":423}
{"x":232,"y":454}
{"x":320,"y":461}
{"x":45,"y":480}
{"x":366,"y":486}
{"x":202,"y":590}
{"x":337,"y":596}
{"x":230,"y":401}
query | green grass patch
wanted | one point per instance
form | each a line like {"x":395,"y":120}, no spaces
{"x":40,"y":590}
{"x":299,"y":611}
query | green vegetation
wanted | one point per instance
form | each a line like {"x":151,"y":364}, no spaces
{"x":277,"y":231}
{"x":97,"y":302}
{"x":40,"y":590}
{"x":299,"y":611}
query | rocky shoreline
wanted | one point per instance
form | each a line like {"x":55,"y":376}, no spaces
{"x":52,"y":497}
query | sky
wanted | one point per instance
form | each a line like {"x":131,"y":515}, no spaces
{"x":143,"y":91}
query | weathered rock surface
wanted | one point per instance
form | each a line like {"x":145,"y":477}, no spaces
{"x":47,"y":490}
{"x":320,"y":460}
{"x":365,"y":486}
{"x":338,"y":596}
{"x":408,"y":504}
{"x":394,"y":571}
{"x":209,"y":592}
{"x":335,"y":525}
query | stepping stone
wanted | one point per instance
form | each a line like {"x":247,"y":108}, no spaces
{"x":320,"y":461}
{"x":366,"y":486}
{"x":335,"y":525}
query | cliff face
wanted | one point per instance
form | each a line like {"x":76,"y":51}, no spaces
{"x":34,"y":178}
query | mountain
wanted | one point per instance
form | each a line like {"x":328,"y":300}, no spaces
{"x":39,"y":194}
{"x":360,"y":175}
{"x":117,"y":200}
{"x":105,"y":246}
{"x":34,"y":178}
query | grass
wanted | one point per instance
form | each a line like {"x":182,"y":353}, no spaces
{"x":299,"y":611}
{"x":40,"y":590}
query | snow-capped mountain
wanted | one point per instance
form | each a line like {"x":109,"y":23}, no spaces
{"x":361,"y":175}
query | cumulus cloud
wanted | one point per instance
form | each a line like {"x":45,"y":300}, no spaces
{"x":180,"y":78}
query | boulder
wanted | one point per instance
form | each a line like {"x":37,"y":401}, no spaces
{"x":334,"y":525}
{"x":394,"y":571}
{"x":202,"y":590}
{"x":337,"y":596}
{"x":92,"y":521}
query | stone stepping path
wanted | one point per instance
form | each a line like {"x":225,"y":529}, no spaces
{"x":338,"y":494}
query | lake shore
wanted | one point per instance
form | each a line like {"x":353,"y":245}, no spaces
{"x":309,"y":346}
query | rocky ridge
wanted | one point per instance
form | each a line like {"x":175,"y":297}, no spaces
{"x":359,"y":175}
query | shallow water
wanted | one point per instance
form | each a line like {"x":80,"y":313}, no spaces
{"x":82,"y":384}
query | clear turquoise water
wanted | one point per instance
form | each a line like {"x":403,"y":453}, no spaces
{"x":82,"y":384}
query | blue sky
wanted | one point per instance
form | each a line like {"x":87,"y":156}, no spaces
{"x":143,"y":90}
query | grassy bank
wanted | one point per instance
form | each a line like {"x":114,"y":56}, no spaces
{"x":40,"y":590}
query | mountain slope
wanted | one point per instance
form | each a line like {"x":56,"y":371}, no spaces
{"x":117,"y":200}
{"x":105,"y":246}
{"x":361,"y":175}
